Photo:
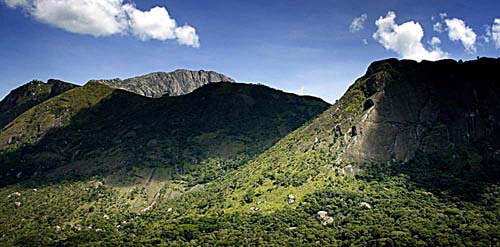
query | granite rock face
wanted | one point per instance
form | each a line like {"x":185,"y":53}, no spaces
{"x":158,"y":84}
{"x":441,"y":108}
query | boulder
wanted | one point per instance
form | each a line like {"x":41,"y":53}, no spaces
{"x":96,"y":185}
{"x":322,"y":214}
{"x":14,"y":194}
{"x":324,"y":218}
{"x":368,"y":104}
{"x":11,"y":140}
{"x":291,"y":199}
{"x":354,"y":131}
{"x":365,"y":205}
{"x":327,"y":221}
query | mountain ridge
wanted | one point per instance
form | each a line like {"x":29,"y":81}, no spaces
{"x":249,"y":165}
{"x":28,"y":95}
{"x":218,"y":120}
{"x":158,"y":84}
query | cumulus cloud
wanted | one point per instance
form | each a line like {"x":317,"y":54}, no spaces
{"x":358,"y":23}
{"x":153,"y":24}
{"x":459,"y":31}
{"x":404,"y":39}
{"x":16,"y":3}
{"x":435,"y":42}
{"x":486,"y":37}
{"x":93,"y":17}
{"x":106,"y":18}
{"x":186,"y":35}
{"x":495,"y":33}
{"x":438,"y":27}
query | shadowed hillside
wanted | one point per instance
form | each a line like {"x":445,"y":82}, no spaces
{"x":97,"y":131}
{"x":407,"y":157}
{"x":29,"y":95}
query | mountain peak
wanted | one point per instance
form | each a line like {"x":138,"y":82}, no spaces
{"x":158,"y":84}
{"x":29,"y":95}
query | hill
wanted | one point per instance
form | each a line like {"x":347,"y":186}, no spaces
{"x":29,"y":95}
{"x":95,"y":130}
{"x":407,"y":157}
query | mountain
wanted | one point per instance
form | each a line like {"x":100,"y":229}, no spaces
{"x":440,"y":109}
{"x":175,"y":83}
{"x":407,"y":157}
{"x":436,"y":121}
{"x":29,"y":95}
{"x":95,"y":130}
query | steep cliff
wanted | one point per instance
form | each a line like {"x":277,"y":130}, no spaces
{"x":442,"y":108}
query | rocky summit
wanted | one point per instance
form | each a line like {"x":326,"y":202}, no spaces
{"x":158,"y":84}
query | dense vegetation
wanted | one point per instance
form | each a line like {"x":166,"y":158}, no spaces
{"x":401,"y":213}
{"x":29,"y":95}
{"x":218,"y":175}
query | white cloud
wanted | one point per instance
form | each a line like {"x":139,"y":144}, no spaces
{"x":16,"y":3}
{"x":459,"y":31}
{"x":93,"y":17}
{"x":186,"y":35}
{"x":438,"y":27}
{"x":106,"y":18}
{"x":486,"y":37}
{"x":435,"y":42}
{"x":365,"y":42}
{"x":358,"y":23}
{"x":153,"y":24}
{"x":495,"y":33}
{"x":443,"y":15}
{"x":405,"y":39}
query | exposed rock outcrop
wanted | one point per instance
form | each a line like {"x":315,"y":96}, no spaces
{"x":158,"y":84}
{"x":324,"y":218}
{"x":428,"y":107}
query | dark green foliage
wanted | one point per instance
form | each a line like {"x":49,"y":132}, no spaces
{"x":233,"y":172}
{"x":222,"y":124}
{"x":29,"y":95}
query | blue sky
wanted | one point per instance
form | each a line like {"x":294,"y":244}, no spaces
{"x":301,"y":46}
